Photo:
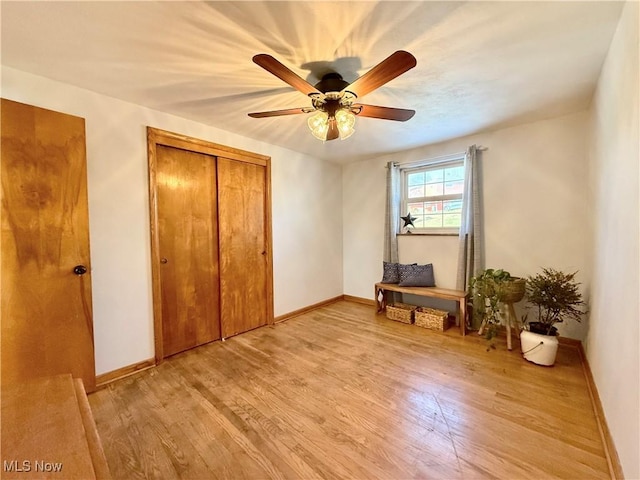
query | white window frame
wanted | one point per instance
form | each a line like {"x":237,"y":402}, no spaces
{"x":434,"y":164}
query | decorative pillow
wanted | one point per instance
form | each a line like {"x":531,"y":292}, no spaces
{"x":417,"y":276}
{"x":404,"y":270}
{"x":390,"y":273}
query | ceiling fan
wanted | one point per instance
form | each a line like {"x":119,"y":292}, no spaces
{"x":333,"y":99}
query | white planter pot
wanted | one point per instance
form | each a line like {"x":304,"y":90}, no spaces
{"x":539,"y":349}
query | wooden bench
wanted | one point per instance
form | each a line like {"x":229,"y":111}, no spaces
{"x":459,"y":296}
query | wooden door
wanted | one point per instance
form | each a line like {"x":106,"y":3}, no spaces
{"x":188,"y":248}
{"x":47,"y":326}
{"x":244,"y":277}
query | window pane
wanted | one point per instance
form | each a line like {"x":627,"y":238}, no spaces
{"x":434,"y":176}
{"x":432,"y":207}
{"x":415,"y":179}
{"x":451,"y":220}
{"x":454,"y":173}
{"x":423,"y":191}
{"x":416,"y":192}
{"x":433,"y":221}
{"x":416,"y":208}
{"x":433,"y":189}
{"x":454,"y":187}
{"x":452,"y":206}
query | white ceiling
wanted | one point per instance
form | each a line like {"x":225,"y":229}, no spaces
{"x":481,"y":65}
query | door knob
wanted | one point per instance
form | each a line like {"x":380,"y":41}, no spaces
{"x":163,"y":260}
{"x":79,"y":270}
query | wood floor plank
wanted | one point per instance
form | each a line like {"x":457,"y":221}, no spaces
{"x":378,"y":419}
{"x":340,"y":392}
{"x":306,"y":407}
{"x":255,"y":413}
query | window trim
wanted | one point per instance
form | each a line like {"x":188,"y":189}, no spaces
{"x":405,"y":170}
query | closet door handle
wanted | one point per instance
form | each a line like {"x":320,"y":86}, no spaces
{"x":163,"y":260}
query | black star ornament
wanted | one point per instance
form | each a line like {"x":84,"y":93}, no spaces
{"x":408,"y":220}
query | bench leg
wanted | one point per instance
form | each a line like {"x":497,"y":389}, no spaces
{"x":462,"y":315}
{"x":381,"y":303}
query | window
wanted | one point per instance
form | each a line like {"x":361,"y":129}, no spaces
{"x":433,"y":195}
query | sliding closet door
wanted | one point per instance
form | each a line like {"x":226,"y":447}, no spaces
{"x":245,"y":276}
{"x":210,"y":241}
{"x":188,"y":248}
{"x":47,"y":325}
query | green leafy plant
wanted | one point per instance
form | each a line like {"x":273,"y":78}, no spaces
{"x":556,"y":297}
{"x":485,"y":292}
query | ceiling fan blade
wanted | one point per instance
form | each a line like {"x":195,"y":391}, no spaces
{"x":278,"y":113}
{"x":333,"y":132}
{"x":273,"y":66}
{"x":386,"y":113}
{"x":394,"y":65}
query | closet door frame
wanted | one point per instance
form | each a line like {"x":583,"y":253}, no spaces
{"x":157,"y":137}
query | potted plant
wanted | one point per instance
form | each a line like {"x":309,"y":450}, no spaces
{"x":489,"y":290}
{"x":554,"y":297}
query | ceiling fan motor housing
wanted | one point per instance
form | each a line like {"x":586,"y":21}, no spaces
{"x":331,"y":82}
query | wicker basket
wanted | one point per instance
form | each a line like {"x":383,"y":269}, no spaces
{"x":401,"y":312}
{"x":513,"y":290}
{"x":432,"y":319}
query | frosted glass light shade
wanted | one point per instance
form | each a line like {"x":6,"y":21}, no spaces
{"x":319,"y":125}
{"x":345,"y":120}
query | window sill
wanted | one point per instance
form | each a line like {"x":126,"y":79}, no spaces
{"x":416,"y":234}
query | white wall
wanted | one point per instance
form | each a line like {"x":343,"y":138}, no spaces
{"x":307,"y":231}
{"x":535,"y":200}
{"x":306,"y":192}
{"x":614,"y":337}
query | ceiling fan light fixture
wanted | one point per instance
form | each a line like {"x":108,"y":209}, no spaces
{"x":345,"y":121}
{"x":319,"y":124}
{"x":333,"y":98}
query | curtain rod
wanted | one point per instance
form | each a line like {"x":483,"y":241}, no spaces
{"x":441,"y":158}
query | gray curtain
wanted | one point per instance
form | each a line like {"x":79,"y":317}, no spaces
{"x":471,"y":246}
{"x":392,"y":221}
{"x":392,"y":214}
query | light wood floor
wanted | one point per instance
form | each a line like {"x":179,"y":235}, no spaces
{"x":341,"y":393}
